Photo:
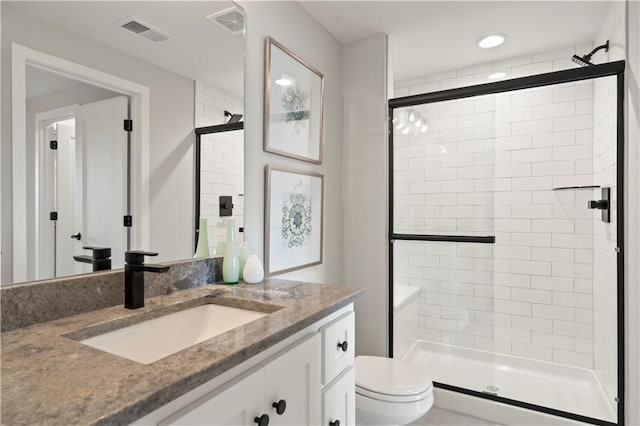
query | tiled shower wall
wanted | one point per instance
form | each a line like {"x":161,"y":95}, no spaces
{"x":222,"y":162}
{"x":488,"y":166}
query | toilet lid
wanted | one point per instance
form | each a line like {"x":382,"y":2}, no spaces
{"x":392,"y":377}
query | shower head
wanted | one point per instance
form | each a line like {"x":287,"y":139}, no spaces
{"x":586,"y":59}
{"x":233,"y":118}
{"x":583,"y":61}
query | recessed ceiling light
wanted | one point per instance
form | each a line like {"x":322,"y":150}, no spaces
{"x":284,"y":82}
{"x":490,"y":41}
{"x":497,"y":75}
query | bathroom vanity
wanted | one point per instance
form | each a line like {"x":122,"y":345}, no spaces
{"x":291,"y":365}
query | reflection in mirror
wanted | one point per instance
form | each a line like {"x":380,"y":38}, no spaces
{"x":220,"y":181}
{"x":78,"y":194}
{"x":78,"y":172}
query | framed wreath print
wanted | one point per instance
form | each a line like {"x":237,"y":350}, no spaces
{"x":294,"y":208}
{"x":293,"y":105}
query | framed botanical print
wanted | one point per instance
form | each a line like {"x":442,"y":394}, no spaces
{"x":294,"y":209}
{"x":293,"y":105}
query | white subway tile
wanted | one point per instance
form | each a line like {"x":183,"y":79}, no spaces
{"x":512,"y":225}
{"x":533,"y":127}
{"x":554,"y":139}
{"x":532,"y":155}
{"x":531,"y":98}
{"x":553,"y":168}
{"x":409,"y":82}
{"x":530,"y":267}
{"x":531,"y":351}
{"x":576,"y":122}
{"x":572,"y":93}
{"x":512,"y":142}
{"x":584,"y":345}
{"x":531,"y":212}
{"x":510,"y":307}
{"x":537,"y":239}
{"x":418,"y":89}
{"x":531,"y":296}
{"x":512,"y":280}
{"x":552,"y":312}
{"x":572,"y":270}
{"x":572,"y":241}
{"x":534,"y":68}
{"x":552,"y":254}
{"x":532,"y":183}
{"x":573,"y":329}
{"x":573,"y":358}
{"x":552,"y":340}
{"x":577,"y":152}
{"x":562,"y":109}
{"x":577,"y":300}
{"x":512,"y":170}
{"x":552,"y":225}
{"x":532,"y":323}
{"x":512,"y":334}
{"x":511,"y":252}
{"x":583,"y":285}
{"x":584,"y":315}
{"x":513,"y":115}
{"x":513,"y":197}
{"x":457,"y":186}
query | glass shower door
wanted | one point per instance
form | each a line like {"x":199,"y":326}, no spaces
{"x":504,"y":243}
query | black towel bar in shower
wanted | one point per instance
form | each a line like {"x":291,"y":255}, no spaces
{"x":560,"y":188}
{"x":489,"y":239}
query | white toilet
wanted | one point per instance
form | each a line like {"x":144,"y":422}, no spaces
{"x":390,"y":391}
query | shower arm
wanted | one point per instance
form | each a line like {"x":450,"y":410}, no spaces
{"x":593,"y":52}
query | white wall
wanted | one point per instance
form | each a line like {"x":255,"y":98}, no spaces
{"x":291,"y":25}
{"x":80,"y":94}
{"x":632,"y":216}
{"x":365,"y":182}
{"x":171,"y":138}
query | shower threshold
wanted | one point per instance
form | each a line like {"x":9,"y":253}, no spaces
{"x":566,"y":388}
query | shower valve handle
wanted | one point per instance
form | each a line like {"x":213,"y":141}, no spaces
{"x":598,"y":204}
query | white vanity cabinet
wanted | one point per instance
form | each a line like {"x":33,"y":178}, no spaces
{"x":309,"y":379}
{"x":338,"y":371}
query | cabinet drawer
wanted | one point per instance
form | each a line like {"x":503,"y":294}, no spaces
{"x":337,"y":346}
{"x":339,"y":400}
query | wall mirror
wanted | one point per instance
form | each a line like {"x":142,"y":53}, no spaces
{"x":98,"y":135}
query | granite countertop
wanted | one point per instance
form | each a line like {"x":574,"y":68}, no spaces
{"x":49,"y":377}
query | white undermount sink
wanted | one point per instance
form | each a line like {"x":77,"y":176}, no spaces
{"x":157,"y":338}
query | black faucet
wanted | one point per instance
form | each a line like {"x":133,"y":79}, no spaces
{"x":100,"y":258}
{"x":134,"y":269}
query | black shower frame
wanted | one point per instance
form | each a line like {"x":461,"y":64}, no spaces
{"x":220,"y":128}
{"x":610,"y":69}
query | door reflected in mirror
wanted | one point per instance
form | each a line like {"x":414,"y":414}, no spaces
{"x":80,"y":188}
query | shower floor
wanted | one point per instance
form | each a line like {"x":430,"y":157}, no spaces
{"x":572,"y":389}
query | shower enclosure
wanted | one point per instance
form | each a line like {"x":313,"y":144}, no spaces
{"x":506,"y":237}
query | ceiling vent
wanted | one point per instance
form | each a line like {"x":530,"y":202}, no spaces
{"x":232,"y":20}
{"x":140,"y":28}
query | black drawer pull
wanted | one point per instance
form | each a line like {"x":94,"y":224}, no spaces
{"x":280,"y":406}
{"x":334,"y":423}
{"x":263,"y":420}
{"x":344,"y":346}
